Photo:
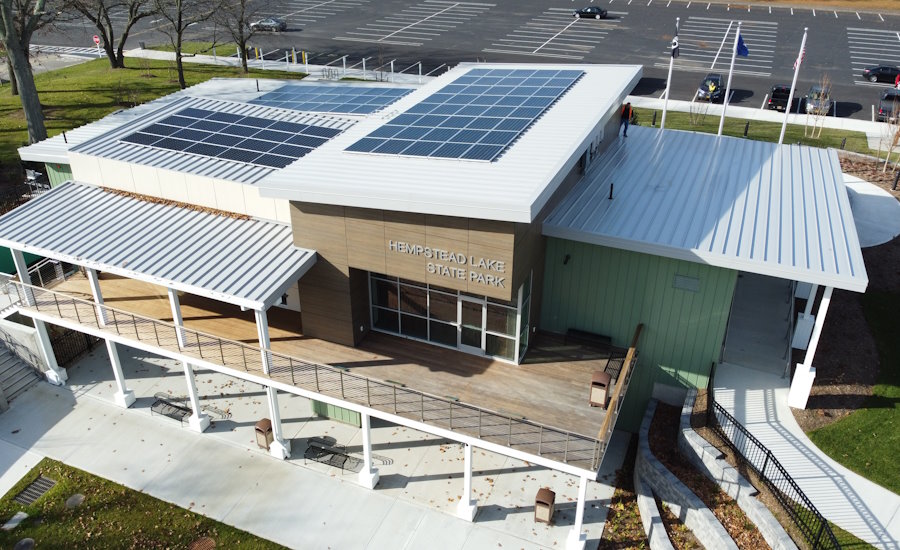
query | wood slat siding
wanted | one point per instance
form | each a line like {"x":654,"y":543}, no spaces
{"x":58,"y":173}
{"x":610,"y":291}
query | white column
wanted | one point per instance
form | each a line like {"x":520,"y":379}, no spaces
{"x":280,"y":448}
{"x":198,"y":421}
{"x":805,"y":321}
{"x":176,"y":316}
{"x":576,"y":538}
{"x":805,"y":373}
{"x":24,"y":276}
{"x":55,"y":375}
{"x":123,"y":396}
{"x":98,"y":295}
{"x":262,"y":331}
{"x":368,"y":476}
{"x":467,"y":507}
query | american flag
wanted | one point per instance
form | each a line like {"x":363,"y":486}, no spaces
{"x":800,"y":59}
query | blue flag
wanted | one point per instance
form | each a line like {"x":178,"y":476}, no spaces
{"x":742,"y":49}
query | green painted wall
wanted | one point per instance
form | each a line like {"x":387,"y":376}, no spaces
{"x":58,"y":173}
{"x":337,"y":413}
{"x":6,"y":260}
{"x":609,"y":291}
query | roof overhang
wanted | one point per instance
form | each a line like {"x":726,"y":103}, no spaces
{"x":777,"y":210}
{"x":247,"y":262}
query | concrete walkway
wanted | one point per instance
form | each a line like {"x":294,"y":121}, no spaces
{"x":758,"y":400}
{"x":222,"y":474}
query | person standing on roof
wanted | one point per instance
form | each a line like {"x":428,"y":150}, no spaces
{"x":897,"y":82}
{"x":627,"y":113}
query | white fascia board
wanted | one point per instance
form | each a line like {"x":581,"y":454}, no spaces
{"x":30,"y":156}
{"x":854,"y":284}
{"x":288,"y":388}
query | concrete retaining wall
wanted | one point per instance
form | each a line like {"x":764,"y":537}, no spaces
{"x":22,"y":341}
{"x":676,"y":495}
{"x":705,"y":458}
{"x":650,"y":517}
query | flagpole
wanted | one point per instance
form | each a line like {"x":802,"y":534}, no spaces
{"x":662,"y":125}
{"x":787,"y":108}
{"x":737,"y":35}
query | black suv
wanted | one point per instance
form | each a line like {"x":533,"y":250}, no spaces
{"x":778,"y":97}
{"x":889,"y":98}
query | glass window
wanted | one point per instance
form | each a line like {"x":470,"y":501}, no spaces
{"x":442,"y":333}
{"x":384,"y":293}
{"x":384,"y":319}
{"x":504,"y":348}
{"x":443,"y":307}
{"x":501,"y":319}
{"x":414,"y":300}
{"x":414,"y":327}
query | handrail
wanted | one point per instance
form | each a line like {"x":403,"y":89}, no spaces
{"x":803,"y":514}
{"x":621,"y":383}
{"x":488,"y":425}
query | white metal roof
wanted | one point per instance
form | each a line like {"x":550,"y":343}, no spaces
{"x":778,"y":210}
{"x":513,"y":188}
{"x":108,"y":145}
{"x":250,"y":263}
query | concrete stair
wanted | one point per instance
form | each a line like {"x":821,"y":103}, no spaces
{"x":16,"y":376}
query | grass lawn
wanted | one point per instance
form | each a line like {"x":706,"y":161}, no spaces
{"x":201,"y":48}
{"x":111,"y":516}
{"x":83,"y":93}
{"x":759,"y":130}
{"x":867,"y":441}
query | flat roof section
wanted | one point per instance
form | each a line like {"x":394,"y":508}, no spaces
{"x":512,"y":188}
{"x":246,"y":262}
{"x":760,"y":207}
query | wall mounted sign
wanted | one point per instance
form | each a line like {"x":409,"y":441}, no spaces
{"x":455,"y":265}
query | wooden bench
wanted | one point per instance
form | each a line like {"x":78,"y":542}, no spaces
{"x":167,"y":408}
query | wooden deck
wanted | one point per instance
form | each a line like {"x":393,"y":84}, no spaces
{"x":550,"y":387}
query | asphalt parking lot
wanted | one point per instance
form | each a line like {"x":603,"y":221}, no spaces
{"x":438,"y":33}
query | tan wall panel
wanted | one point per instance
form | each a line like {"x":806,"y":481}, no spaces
{"x":492,"y":233}
{"x":365,"y":244}
{"x":444,"y":227}
{"x":490,"y":271}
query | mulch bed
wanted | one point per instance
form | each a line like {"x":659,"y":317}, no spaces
{"x":664,"y":445}
{"x":870,"y":170}
{"x":623,"y":529}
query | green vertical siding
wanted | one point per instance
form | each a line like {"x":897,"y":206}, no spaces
{"x":610,"y":291}
{"x":337,"y":413}
{"x":6,"y":260}
{"x":58,"y":173}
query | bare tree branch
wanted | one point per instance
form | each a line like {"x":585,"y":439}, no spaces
{"x":98,"y":13}
{"x":235,"y":17}
{"x":179,"y":15}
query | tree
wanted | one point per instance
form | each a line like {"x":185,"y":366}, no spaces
{"x":235,"y":17}
{"x":17,"y":25}
{"x":179,"y":15}
{"x":98,"y":13}
{"x":26,"y":25}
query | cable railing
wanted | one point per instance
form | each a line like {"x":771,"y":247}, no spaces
{"x":490,"y":426}
{"x":807,"y":519}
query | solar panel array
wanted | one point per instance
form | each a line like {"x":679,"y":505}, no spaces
{"x":332,"y":99}
{"x":247,"y":139}
{"x":475,"y":117}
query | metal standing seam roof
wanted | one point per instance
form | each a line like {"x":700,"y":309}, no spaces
{"x":250,"y":263}
{"x":109,"y":145}
{"x":512,"y":188}
{"x":777,"y":210}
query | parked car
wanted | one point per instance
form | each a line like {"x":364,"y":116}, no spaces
{"x":269,"y":24}
{"x":881,"y":73}
{"x":590,"y":12}
{"x":778,"y":97}
{"x":712,"y":88}
{"x":818,"y":100}
{"x":889,"y":99}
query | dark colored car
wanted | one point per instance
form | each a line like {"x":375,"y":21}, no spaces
{"x":778,"y":97}
{"x":590,"y":12}
{"x":712,"y":88}
{"x":818,"y":100}
{"x":269,"y":24}
{"x":881,"y":73}
{"x":889,"y":99}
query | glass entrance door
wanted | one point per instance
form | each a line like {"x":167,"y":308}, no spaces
{"x":471,"y":324}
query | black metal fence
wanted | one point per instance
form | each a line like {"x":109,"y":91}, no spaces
{"x":809,"y":523}
{"x":70,"y":344}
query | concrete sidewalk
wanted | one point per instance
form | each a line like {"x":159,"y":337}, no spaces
{"x":758,"y":400}
{"x":222,"y":474}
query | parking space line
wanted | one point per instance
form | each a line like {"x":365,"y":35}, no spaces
{"x":880,"y":17}
{"x":703,"y":38}
{"x":417,"y":23}
{"x":554,"y":33}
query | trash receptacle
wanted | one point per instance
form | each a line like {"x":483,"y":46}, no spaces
{"x":600,"y":382}
{"x":264,"y":435}
{"x":543,"y":505}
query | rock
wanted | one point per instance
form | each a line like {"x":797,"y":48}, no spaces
{"x":74,"y":501}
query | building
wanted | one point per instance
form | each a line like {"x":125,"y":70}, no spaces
{"x":463,"y":257}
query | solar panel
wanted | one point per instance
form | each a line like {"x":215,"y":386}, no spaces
{"x":246,"y":139}
{"x":332,"y":99}
{"x":475,"y":117}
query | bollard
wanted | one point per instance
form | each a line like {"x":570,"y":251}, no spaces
{"x":257,"y":84}
{"x":746,"y":128}
{"x":654,"y":119}
{"x":896,"y":177}
{"x":843,"y":142}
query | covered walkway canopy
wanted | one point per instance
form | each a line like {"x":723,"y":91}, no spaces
{"x":776,"y":210}
{"x":226,"y":257}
